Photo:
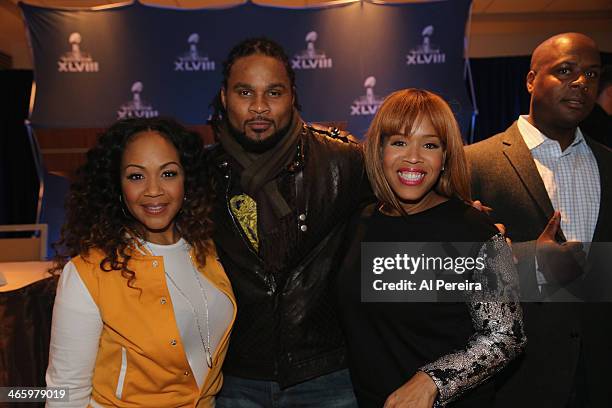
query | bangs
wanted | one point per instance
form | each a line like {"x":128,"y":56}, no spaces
{"x":398,"y":117}
{"x":402,"y":112}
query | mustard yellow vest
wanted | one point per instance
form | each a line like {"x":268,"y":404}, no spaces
{"x":141,"y":361}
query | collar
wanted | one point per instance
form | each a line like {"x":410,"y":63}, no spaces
{"x":534,"y":138}
{"x":138,"y":247}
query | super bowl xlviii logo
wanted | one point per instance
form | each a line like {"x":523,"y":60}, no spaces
{"x":192,"y":60}
{"x":76,"y":60}
{"x":136,"y":108}
{"x":369,"y":103}
{"x":426,"y":53}
{"x":311,"y":58}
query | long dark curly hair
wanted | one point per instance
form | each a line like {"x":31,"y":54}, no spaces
{"x":97,"y":218}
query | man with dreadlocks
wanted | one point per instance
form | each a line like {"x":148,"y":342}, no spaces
{"x":284,"y":194}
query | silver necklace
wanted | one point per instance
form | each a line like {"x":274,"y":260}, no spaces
{"x":205,"y":344}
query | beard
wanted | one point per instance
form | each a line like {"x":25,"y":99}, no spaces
{"x":259,"y":146}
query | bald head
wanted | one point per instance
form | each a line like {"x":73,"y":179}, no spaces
{"x":552,"y":45}
{"x":562,"y":82}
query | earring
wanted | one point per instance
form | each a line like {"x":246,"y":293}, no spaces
{"x":122,"y":206}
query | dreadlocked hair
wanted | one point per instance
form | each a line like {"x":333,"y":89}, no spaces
{"x":248,"y":47}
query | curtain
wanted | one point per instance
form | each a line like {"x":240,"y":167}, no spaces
{"x":18,"y":180}
{"x":500,"y":92}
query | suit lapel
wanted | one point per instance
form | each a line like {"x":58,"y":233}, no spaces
{"x":605,"y":179}
{"x":521,"y":160}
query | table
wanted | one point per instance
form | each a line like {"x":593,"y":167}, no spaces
{"x":20,"y":274}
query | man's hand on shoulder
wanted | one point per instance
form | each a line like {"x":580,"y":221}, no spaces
{"x":334,"y":132}
{"x":477,"y":204}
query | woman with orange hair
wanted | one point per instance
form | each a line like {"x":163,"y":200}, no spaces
{"x":409,"y":354}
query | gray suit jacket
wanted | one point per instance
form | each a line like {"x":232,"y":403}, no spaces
{"x":563,"y":338}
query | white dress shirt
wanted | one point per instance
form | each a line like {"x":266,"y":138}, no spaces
{"x":571,"y":179}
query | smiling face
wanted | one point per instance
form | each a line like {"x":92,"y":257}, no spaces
{"x":258,"y":98}
{"x":152,"y":182}
{"x":412,"y":165}
{"x":563,"y":83}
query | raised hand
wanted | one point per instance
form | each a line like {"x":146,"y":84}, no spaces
{"x":560,"y":263}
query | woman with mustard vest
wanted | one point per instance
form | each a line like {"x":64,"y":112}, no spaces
{"x":144,"y":309}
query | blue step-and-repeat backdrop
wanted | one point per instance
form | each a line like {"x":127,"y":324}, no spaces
{"x":95,"y":66}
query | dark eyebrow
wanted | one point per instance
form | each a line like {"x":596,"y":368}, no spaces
{"x":169,"y":163}
{"x":574,"y":64}
{"x":277,"y":85}
{"x":408,"y":135}
{"x":142,"y":167}
{"x":241,"y":85}
{"x":134,"y":165}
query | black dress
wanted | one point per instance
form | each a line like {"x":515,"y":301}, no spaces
{"x":460,"y":345}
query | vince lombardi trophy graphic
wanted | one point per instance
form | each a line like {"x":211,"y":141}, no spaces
{"x":193,"y":41}
{"x":136,"y":90}
{"x":427,"y":32}
{"x":76,"y":60}
{"x":311,"y":37}
{"x":369,"y":85}
{"x":75,"y":40}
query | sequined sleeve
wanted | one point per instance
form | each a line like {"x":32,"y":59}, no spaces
{"x":497,"y":318}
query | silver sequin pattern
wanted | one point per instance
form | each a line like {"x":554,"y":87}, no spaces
{"x":499,"y":334}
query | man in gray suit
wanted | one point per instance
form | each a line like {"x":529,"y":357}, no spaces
{"x":551,"y":186}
